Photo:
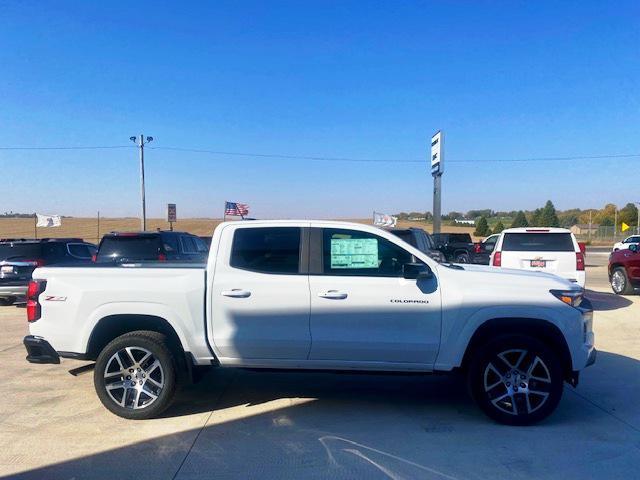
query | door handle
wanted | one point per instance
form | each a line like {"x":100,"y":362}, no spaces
{"x":236,"y":293}
{"x":333,"y":294}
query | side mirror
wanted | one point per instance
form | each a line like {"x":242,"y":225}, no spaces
{"x":415,"y":271}
{"x":633,"y":247}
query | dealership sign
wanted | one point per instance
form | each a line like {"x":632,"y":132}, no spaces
{"x":171,"y":213}
{"x":437,"y":166}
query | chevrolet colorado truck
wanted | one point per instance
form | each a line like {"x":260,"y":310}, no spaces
{"x":313,"y":295}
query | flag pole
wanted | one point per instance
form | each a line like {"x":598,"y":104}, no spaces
{"x":35,"y":225}
{"x":224,"y":215}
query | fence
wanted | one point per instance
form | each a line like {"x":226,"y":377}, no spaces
{"x":606,"y":235}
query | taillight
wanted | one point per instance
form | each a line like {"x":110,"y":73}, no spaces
{"x":35,"y":288}
{"x":94,"y":257}
{"x":162,"y":257}
{"x":38,"y":261}
{"x":497,"y":259}
{"x":579,"y":261}
{"x":477,"y":248}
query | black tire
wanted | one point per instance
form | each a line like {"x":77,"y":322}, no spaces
{"x":491,"y":380}
{"x":461,"y":258}
{"x":4,"y":302}
{"x":117,"y":379}
{"x":620,"y":283}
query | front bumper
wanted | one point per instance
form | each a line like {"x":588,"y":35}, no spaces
{"x":39,"y":350}
{"x":7,"y":291}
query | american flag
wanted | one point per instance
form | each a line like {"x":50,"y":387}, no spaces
{"x":238,"y":209}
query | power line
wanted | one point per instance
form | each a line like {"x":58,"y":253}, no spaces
{"x":336,"y":159}
{"x":68,"y":148}
{"x":369,"y":160}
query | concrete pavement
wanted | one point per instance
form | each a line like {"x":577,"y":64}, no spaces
{"x":242,"y":424}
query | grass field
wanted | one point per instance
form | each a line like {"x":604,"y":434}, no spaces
{"x":87,"y":228}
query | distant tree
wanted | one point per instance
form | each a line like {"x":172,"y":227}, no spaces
{"x":480,"y":213}
{"x":568,"y":219}
{"x":549,"y":217}
{"x":606,"y":222}
{"x":520,"y":220}
{"x":628,"y":214}
{"x":535,"y":220}
{"x":499,"y":227}
{"x":482,"y":228}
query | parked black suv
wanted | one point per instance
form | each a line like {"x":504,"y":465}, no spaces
{"x":420,"y":239}
{"x":20,"y":257}
{"x":163,"y":246}
{"x":456,"y":247}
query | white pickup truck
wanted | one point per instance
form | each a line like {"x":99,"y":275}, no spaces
{"x":313,"y":295}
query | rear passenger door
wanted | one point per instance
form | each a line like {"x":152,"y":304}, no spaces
{"x":260,"y":294}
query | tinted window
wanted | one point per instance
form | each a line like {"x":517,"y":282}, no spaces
{"x":200,"y":245}
{"x":537,"y":242}
{"x":266,"y":250}
{"x":459,"y":238}
{"x":407,"y":236}
{"x":350,"y":252}
{"x":188,"y":245}
{"x":25,"y":251}
{"x":81,"y":250}
{"x":126,"y":248}
{"x":632,"y":240}
{"x":170,"y":243}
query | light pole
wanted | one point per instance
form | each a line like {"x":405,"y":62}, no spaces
{"x":141,"y":143}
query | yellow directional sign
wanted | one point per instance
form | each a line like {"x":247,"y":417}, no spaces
{"x":624,"y":227}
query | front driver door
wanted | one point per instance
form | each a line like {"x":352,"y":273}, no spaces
{"x":362,"y":309}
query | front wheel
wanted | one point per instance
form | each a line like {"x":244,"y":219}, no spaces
{"x":462,"y":258}
{"x":516,"y":380}
{"x":620,"y":282}
{"x":135,"y":375}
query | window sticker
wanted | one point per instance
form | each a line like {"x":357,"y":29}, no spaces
{"x":354,"y":253}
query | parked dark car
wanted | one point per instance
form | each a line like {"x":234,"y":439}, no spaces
{"x":456,"y":247}
{"x":624,"y":270}
{"x":481,"y":253}
{"x":20,"y":257}
{"x":163,"y":246}
{"x":420,"y":239}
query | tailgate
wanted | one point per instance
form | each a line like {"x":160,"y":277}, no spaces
{"x":558,"y":263}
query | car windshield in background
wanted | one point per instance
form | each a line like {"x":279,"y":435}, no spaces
{"x":537,"y":242}
{"x":20,"y":250}
{"x":129,"y":248}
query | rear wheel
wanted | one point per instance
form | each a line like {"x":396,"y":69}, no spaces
{"x":461,"y":258}
{"x":516,"y":380}
{"x":620,"y":283}
{"x":135,"y":375}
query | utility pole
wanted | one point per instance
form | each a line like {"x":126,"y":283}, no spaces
{"x":589,"y":225}
{"x":615,"y":223}
{"x":437,"y":169}
{"x":141,"y":143}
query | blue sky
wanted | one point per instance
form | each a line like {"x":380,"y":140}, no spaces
{"x":369,"y":80}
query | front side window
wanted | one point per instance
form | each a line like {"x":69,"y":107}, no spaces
{"x":350,"y":252}
{"x":267,"y":250}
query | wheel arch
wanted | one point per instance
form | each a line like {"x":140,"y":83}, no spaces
{"x":540,"y":329}
{"x":112,"y":326}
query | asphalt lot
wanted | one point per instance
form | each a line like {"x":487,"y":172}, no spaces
{"x":241,"y":424}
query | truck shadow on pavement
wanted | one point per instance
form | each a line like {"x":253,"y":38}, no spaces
{"x":324,"y":425}
{"x":607,"y":301}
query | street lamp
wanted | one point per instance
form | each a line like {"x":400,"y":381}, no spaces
{"x":141,"y":143}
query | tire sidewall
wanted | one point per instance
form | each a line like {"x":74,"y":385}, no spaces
{"x":489,"y":352}
{"x":153,"y":342}
{"x":625,"y":288}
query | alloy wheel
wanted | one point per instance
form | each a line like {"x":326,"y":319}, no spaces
{"x":517,"y":382}
{"x":617,"y":281}
{"x":134,"y":377}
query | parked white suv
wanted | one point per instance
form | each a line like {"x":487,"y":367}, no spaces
{"x":632,"y":240}
{"x":551,"y":250}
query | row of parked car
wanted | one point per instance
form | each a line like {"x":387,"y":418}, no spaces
{"x":20,"y":257}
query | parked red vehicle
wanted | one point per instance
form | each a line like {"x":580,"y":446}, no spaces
{"x":624,"y":270}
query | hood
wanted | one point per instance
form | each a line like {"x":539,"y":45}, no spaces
{"x":515,"y":276}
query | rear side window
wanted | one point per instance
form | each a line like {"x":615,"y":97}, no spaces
{"x":537,"y":242}
{"x":351,"y":252}
{"x":267,"y":250}
{"x":459,"y":238}
{"x":20,"y":251}
{"x":407,"y":236}
{"x":188,"y":244}
{"x":81,"y":250}
{"x":130,"y":248}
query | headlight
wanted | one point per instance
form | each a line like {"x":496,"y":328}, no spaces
{"x":570,"y":297}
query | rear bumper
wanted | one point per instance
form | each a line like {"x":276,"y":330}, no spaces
{"x":7,"y":291}
{"x":39,"y":350}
